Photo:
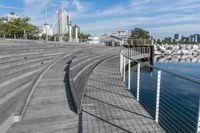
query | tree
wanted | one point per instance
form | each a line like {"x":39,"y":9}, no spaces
{"x":18,"y":27}
{"x":139,"y":33}
{"x":2,"y":28}
{"x":139,"y":36}
{"x":83,"y":37}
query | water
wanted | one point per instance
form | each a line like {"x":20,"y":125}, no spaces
{"x":179,"y":98}
{"x":187,"y":66}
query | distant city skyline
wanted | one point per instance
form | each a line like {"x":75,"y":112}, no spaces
{"x":178,"y":37}
{"x":162,"y":18}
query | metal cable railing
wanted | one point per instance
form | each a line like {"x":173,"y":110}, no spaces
{"x":171,"y":98}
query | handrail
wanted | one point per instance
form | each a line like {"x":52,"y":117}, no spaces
{"x":174,"y":106}
{"x":164,"y":70}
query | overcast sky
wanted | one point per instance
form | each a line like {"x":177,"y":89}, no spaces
{"x":161,"y":17}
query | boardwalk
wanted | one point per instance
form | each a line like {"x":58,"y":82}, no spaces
{"x":109,"y":107}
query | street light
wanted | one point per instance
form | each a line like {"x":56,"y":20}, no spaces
{"x":46,"y":9}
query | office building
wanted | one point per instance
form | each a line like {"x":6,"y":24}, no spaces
{"x":185,"y":39}
{"x":63,"y":21}
{"x":194,"y":38}
{"x":177,"y":37}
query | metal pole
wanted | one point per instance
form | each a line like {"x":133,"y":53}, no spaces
{"x":46,"y":25}
{"x":138,"y":82}
{"x":70,"y":33}
{"x":76,"y":34}
{"x":198,"y":119}
{"x":158,"y":96}
{"x":124,"y":78}
{"x":129,"y":74}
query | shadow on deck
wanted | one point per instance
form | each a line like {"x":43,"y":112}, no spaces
{"x":68,"y":90}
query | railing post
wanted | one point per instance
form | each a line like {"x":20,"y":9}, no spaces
{"x":129,"y":74}
{"x":198,"y":119}
{"x":151,"y":55}
{"x":121,"y":63}
{"x":138,"y":82}
{"x":124,"y":59}
{"x":158,"y":96}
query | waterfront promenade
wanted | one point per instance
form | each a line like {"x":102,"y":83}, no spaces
{"x":108,"y":106}
{"x":44,"y":102}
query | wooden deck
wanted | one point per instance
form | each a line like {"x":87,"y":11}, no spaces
{"x":109,"y":107}
{"x":107,"y":104}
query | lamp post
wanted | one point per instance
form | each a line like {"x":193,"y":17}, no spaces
{"x":46,"y":9}
{"x":70,"y":33}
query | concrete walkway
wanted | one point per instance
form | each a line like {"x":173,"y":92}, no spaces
{"x":108,"y":106}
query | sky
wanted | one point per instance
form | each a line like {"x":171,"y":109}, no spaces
{"x":162,"y":18}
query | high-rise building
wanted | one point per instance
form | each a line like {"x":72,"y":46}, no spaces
{"x":192,"y":38}
{"x":63,"y":21}
{"x":195,"y":38}
{"x":185,"y":39}
{"x":177,"y":37}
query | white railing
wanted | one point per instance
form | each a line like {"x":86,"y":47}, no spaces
{"x":174,"y":106}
